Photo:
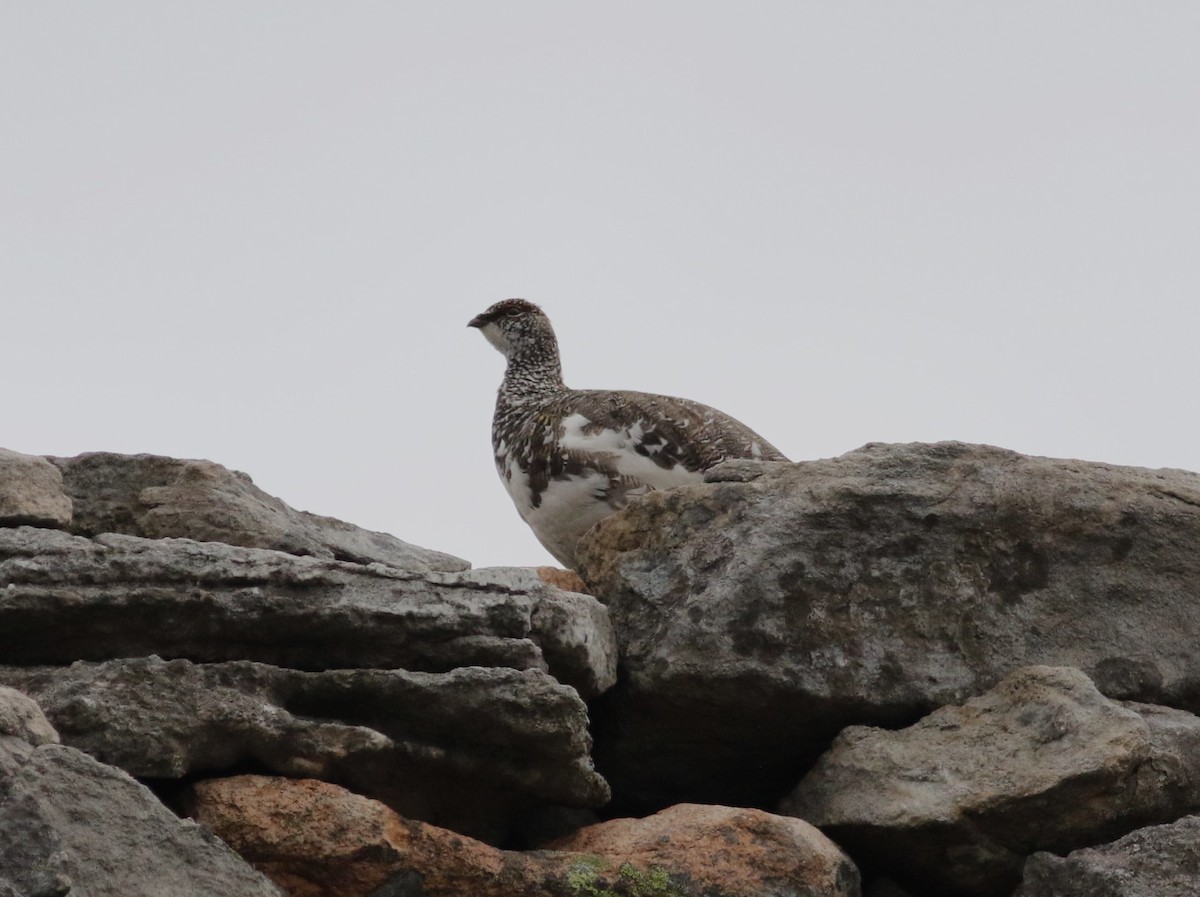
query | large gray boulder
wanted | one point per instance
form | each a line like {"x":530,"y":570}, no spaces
{"x":31,"y":492}
{"x":72,"y":598}
{"x":71,"y":826}
{"x":1158,"y":861}
{"x":1043,"y":761}
{"x":761,"y":612}
{"x":469,"y":749}
{"x":161,"y":498}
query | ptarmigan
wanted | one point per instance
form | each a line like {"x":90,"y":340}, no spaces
{"x":571,"y":457}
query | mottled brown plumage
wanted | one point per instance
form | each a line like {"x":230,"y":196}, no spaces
{"x":571,"y":457}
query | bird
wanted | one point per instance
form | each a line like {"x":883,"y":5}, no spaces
{"x":572,"y":457}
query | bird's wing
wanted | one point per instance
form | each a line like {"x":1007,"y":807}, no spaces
{"x":670,"y":432}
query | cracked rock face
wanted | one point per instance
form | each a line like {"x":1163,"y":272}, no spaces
{"x":466,"y":749}
{"x":761,"y":612}
{"x":453,"y":696}
{"x":72,"y":598}
{"x":1157,"y":861}
{"x":71,"y":825}
{"x":1042,"y":762}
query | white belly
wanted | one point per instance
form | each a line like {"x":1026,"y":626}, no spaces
{"x":569,"y":507}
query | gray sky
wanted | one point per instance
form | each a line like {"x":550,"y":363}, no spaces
{"x":254,"y":232}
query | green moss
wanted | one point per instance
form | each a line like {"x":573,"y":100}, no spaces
{"x":586,"y":880}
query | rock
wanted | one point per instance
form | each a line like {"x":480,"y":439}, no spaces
{"x":70,"y":825}
{"x":470,"y":749}
{"x":761,"y":612}
{"x":1159,"y":861}
{"x":347,"y":846}
{"x":567,"y":580}
{"x":31,"y":492}
{"x":1043,"y":761}
{"x":21,"y":717}
{"x":724,"y":850}
{"x":72,"y":598}
{"x":350,"y":846}
{"x":160,"y":498}
{"x":454,"y":695}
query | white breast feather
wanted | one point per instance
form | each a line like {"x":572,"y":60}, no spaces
{"x":569,"y":508}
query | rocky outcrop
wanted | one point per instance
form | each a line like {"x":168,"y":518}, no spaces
{"x":72,"y":826}
{"x":761,"y":612}
{"x":1041,"y":762}
{"x":178,"y":623}
{"x":308,"y":648}
{"x":73,"y":598}
{"x":469,"y":749}
{"x":1159,"y":861}
{"x":349,"y":846}
{"x":171,"y":498}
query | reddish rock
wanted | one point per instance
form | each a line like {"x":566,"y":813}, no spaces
{"x":567,"y":580}
{"x":726,"y":849}
{"x":314,"y":839}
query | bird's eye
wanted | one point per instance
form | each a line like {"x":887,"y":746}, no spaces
{"x":513,"y":312}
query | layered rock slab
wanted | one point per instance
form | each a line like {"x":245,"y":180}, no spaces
{"x":761,"y":612}
{"x":68,"y":598}
{"x":71,"y":825}
{"x":1042,"y":762}
{"x":1157,"y":861}
{"x":157,"y":497}
{"x":349,"y":846}
{"x":468,"y":749}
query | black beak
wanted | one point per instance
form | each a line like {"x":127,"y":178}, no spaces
{"x":478,"y":321}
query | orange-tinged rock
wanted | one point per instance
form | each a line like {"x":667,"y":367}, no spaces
{"x":734,"y":850}
{"x":567,"y":580}
{"x":315,"y":839}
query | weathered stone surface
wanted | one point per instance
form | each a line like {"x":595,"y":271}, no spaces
{"x":724,"y":850}
{"x":349,"y":846}
{"x":468,"y":749}
{"x":159,"y":498}
{"x":21,"y":717}
{"x":1159,"y":861}
{"x":761,"y":612}
{"x":72,"y":826}
{"x":72,"y":598}
{"x":1041,"y":762}
{"x":31,"y":492}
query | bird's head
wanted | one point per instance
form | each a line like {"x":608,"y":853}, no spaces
{"x":516,"y":327}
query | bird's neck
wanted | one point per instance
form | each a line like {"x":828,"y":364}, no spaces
{"x":533,"y":374}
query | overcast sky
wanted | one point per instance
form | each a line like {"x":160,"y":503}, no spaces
{"x":254,"y":232}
